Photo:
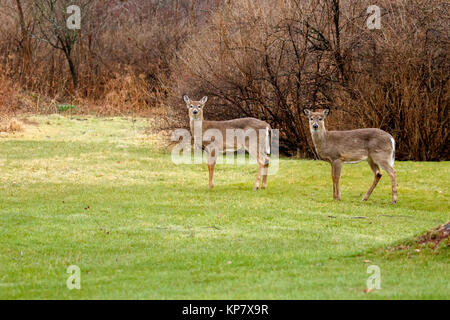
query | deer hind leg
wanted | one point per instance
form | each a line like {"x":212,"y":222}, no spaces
{"x":263,"y":164}
{"x":211,"y":166}
{"x":393,"y":175}
{"x":336,"y":166}
{"x":255,"y":155}
{"x":263,"y":161}
{"x":265,"y":170}
{"x":258,"y":177}
{"x":376,"y":177}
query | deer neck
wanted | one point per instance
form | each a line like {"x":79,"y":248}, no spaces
{"x":196,"y":123}
{"x":319,"y":138}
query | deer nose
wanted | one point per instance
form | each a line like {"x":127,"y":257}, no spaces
{"x":315,"y":126}
{"x":195,"y":111}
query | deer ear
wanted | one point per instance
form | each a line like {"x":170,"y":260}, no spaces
{"x":186,"y":99}
{"x":307,"y":112}
{"x":326,"y":112}
{"x":204,"y":99}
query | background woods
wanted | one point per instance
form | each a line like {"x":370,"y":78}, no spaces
{"x":267,"y":59}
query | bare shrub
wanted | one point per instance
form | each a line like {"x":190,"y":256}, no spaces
{"x":254,"y":61}
{"x":266,"y":59}
{"x":400,"y":79}
{"x":11,"y":126}
{"x":269,"y":62}
{"x":117,"y":63}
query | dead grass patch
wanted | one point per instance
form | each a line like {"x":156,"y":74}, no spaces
{"x":436,"y":235}
{"x":11,"y":126}
{"x":27,"y":121}
{"x":431,"y":239}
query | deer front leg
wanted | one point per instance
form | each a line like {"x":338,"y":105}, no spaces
{"x":211,"y":174}
{"x":211,"y":166}
{"x":336,"y":166}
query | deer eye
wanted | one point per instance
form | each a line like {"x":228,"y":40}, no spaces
{"x":320,"y":119}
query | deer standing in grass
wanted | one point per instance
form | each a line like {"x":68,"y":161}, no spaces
{"x":258,"y":148}
{"x":337,"y":147}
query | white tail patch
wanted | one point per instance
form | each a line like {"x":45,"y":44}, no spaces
{"x":393,"y":153}
{"x":267,"y":140}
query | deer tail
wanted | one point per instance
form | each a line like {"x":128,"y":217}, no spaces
{"x":267,"y":140}
{"x":393,"y":152}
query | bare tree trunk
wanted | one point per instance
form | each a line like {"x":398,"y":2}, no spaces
{"x":337,"y":53}
{"x":192,"y":12}
{"x":176,"y":11}
{"x":26,"y":44}
{"x":73,"y":71}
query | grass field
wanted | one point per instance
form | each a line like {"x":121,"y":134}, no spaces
{"x":97,"y":193}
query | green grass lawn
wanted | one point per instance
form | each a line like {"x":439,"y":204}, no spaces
{"x":100,"y":194}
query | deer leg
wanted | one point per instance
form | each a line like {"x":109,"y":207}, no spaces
{"x":393,"y":175}
{"x":211,"y":174}
{"x":334,"y":184}
{"x":258,"y":177}
{"x":255,"y":155}
{"x":265,"y":170}
{"x":263,"y":162}
{"x":376,"y":177}
{"x":336,"y":175}
{"x":211,"y":166}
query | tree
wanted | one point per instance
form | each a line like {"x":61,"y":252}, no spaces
{"x":51,"y":17}
{"x":26,"y":39}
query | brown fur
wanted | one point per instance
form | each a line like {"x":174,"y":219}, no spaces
{"x":337,"y":147}
{"x":257,"y":152}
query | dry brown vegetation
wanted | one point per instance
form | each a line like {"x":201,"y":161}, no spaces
{"x":266,"y":59}
{"x":436,"y":235}
{"x":270,"y":62}
{"x":11,"y":125}
{"x":117,"y":63}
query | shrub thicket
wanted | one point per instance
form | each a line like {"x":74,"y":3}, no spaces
{"x":266,"y":59}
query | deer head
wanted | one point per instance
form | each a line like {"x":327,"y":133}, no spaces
{"x":195,"y":107}
{"x":316,"y":119}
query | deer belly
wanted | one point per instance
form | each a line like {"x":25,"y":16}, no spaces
{"x":231,"y":147}
{"x":353,"y":158}
{"x":233,"y":150}
{"x":353,"y":162}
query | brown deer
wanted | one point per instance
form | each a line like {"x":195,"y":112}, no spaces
{"x":337,"y":147}
{"x":241,"y":129}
